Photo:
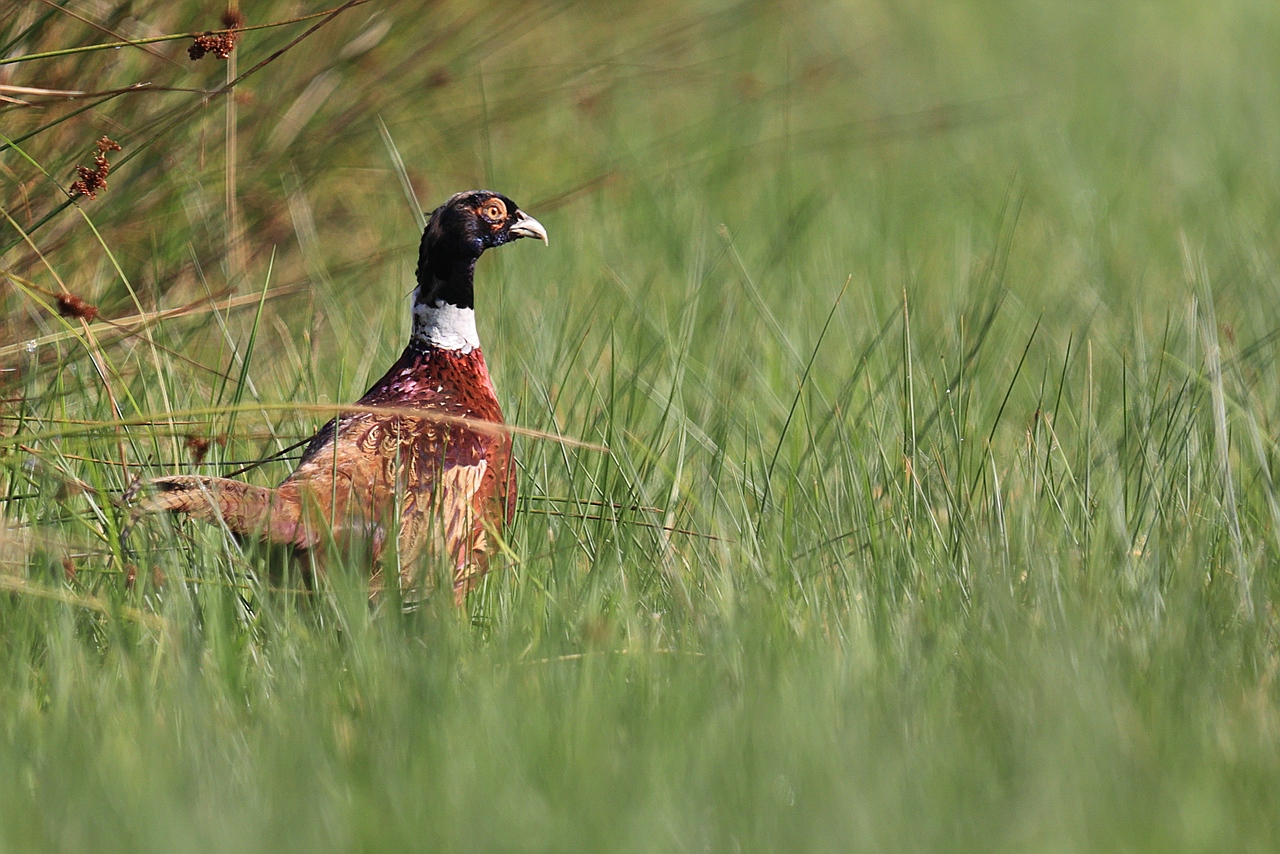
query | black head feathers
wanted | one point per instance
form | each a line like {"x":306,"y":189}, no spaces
{"x":457,"y":233}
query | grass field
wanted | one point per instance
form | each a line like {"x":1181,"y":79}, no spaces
{"x":935,"y":351}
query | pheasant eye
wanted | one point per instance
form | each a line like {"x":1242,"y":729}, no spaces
{"x":494,"y":210}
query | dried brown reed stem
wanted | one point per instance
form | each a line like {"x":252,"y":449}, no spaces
{"x":235,"y":248}
{"x":184,"y":114}
{"x":132,"y":325}
{"x":91,"y":342}
{"x":30,"y":57}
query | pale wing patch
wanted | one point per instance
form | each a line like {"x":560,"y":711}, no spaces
{"x":459,"y":485}
{"x":447,"y":521}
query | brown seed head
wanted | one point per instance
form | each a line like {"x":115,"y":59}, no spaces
{"x":199,"y":447}
{"x":94,"y":180}
{"x":70,"y":305}
{"x":219,"y":44}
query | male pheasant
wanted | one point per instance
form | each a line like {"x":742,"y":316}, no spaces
{"x":444,"y":483}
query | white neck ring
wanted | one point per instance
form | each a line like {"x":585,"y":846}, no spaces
{"x":445,"y":326}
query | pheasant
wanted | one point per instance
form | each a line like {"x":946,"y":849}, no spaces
{"x":427,"y":468}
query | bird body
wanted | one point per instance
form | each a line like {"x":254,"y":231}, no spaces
{"x":428,"y":467}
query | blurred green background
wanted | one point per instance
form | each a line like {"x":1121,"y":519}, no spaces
{"x":933,"y":344}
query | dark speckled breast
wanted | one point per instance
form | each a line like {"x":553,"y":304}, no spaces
{"x":450,"y":380}
{"x":434,"y":380}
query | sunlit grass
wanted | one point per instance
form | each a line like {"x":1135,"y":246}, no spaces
{"x":934,"y":350}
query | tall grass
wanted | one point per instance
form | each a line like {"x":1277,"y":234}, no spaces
{"x":933,"y":347}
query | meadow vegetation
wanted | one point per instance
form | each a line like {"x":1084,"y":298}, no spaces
{"x":934,"y":347}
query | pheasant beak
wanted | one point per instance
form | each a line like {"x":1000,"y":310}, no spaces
{"x":527,"y":226}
